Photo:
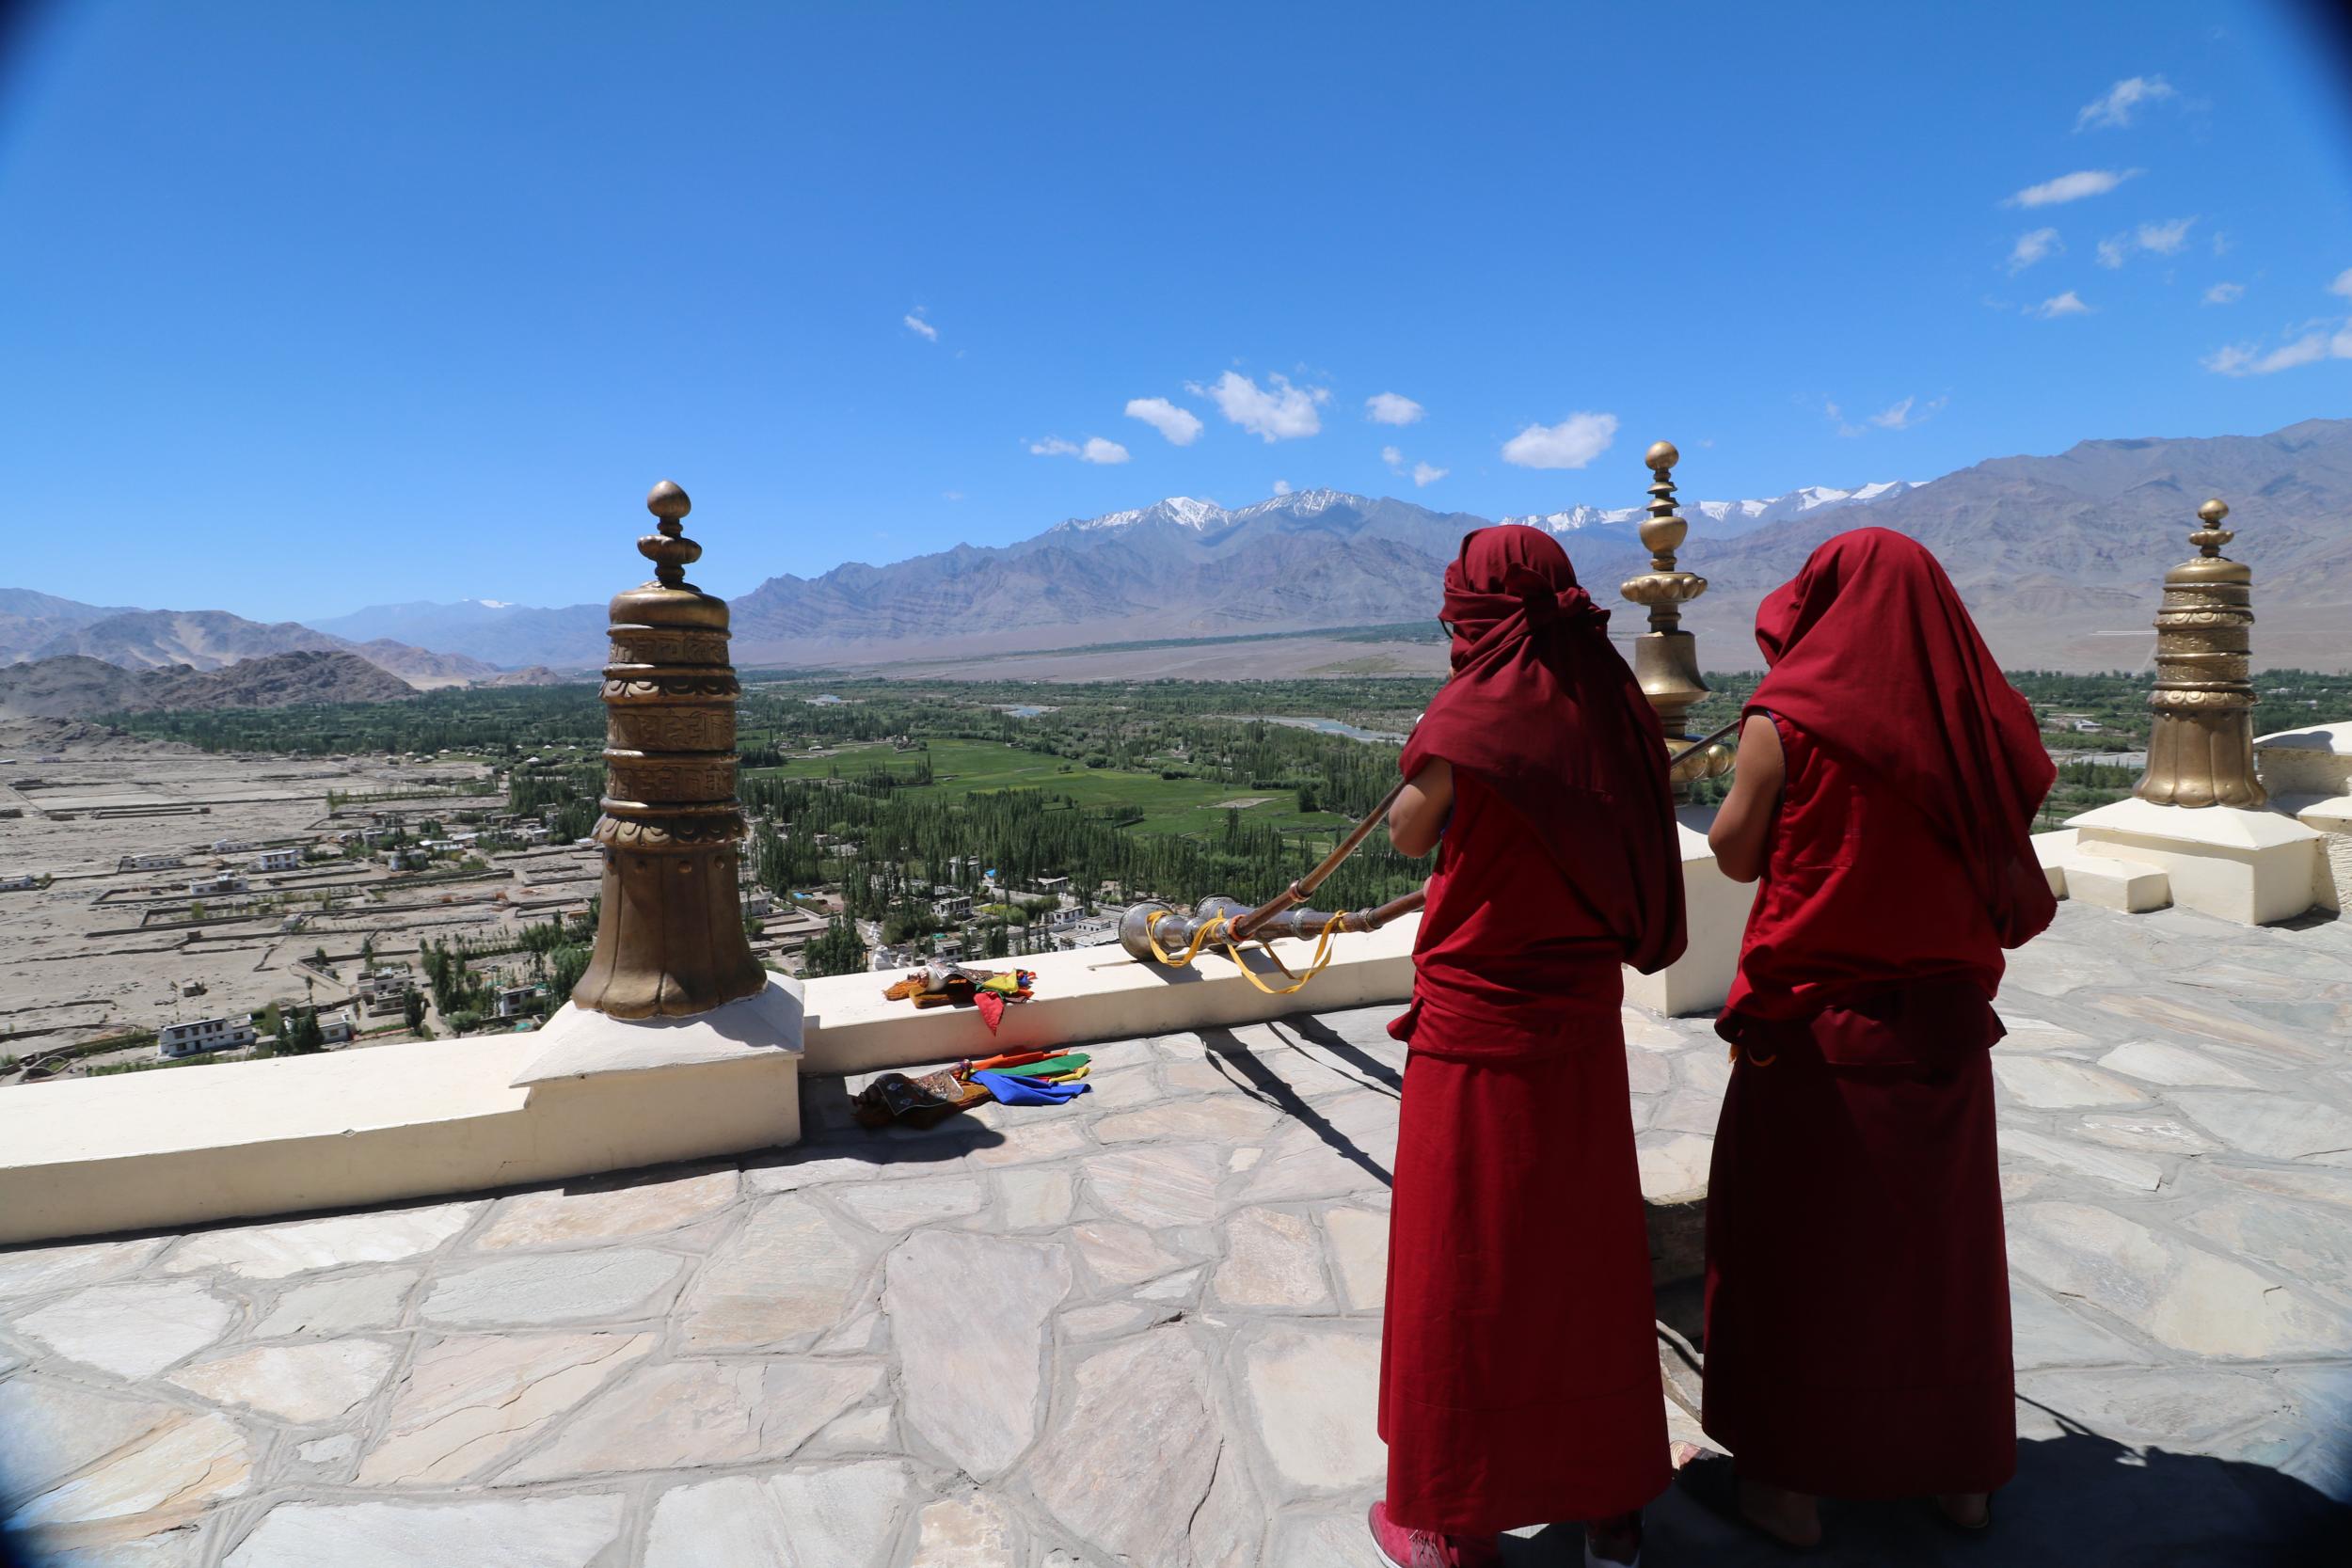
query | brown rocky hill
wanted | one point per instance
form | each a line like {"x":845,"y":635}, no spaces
{"x":41,"y":626}
{"x":74,"y":685}
{"x":2063,"y":558}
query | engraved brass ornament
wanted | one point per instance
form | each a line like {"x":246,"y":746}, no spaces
{"x":1666,"y":657}
{"x":670,"y":936}
{"x":2200,"y":751}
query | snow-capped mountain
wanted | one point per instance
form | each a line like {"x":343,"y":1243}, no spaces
{"x":2058,"y":554}
{"x":1723,"y":519}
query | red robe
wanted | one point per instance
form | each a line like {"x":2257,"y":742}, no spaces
{"x":1858,"y":1283}
{"x":1518,"y":1368}
{"x":1518,"y":1362}
{"x":1857,"y":1294}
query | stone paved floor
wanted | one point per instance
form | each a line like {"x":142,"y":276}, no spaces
{"x":1144,"y":1328}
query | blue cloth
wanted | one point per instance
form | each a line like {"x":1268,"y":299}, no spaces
{"x":1027,"y":1091}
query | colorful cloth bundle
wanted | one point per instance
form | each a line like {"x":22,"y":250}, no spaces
{"x":943,"y":985}
{"x":1022,"y":1078}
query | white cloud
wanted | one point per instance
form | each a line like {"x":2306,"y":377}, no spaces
{"x":1391,"y":408}
{"x":2067,"y":304}
{"x":1422,"y":473}
{"x":1278,"y":411}
{"x":1182,"y":426}
{"x":2321,"y":340}
{"x":920,"y":327}
{"x":2225,"y":294}
{"x":2342,"y":285}
{"x":2221,"y":243}
{"x":2113,"y":109}
{"x":2157,"y":239}
{"x":1281,"y":486}
{"x":1905,"y":415}
{"x":2038,"y":245}
{"x":1570,"y":444}
{"x":1837,"y":416}
{"x":951,"y":495}
{"x":2071,"y":187}
{"x":1095,"y":450}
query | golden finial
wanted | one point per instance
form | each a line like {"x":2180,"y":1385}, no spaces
{"x":2201,"y":749}
{"x":670,"y":937}
{"x":1666,"y":657}
{"x":1664,"y":529}
{"x":2210,"y":538}
{"x":668,"y":547}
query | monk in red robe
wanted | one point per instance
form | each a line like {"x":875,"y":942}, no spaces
{"x":1857,"y":1284}
{"x":1519,"y":1364}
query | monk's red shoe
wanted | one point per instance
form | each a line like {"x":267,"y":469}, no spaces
{"x":1428,"y":1548}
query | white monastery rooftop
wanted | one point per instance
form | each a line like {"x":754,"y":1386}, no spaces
{"x":1144,"y":1328}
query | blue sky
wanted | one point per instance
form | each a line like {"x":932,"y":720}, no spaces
{"x":309,"y":307}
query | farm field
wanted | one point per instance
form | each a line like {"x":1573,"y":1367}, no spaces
{"x":962,"y":768}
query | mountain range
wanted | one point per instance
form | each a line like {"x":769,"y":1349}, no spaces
{"x":2061,"y":558}
{"x":76,"y":685}
{"x":36,"y":627}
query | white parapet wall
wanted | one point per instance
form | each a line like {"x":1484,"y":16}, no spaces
{"x":1096,"y":993}
{"x":186,"y":1146}
{"x":1716,"y":909}
{"x":2309,"y":773}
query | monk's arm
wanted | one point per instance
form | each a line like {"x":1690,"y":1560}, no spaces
{"x":1420,"y":813}
{"x":1738,"y":836}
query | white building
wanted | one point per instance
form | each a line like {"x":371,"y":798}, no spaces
{"x":150,"y":863}
{"x":230,"y":845}
{"x":514,"y":1001}
{"x":175,"y":1041}
{"x":213,"y":887}
{"x":19,"y":884}
{"x":277,"y":860}
{"x":337,"y":1028}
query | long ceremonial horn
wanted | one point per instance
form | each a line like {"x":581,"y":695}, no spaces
{"x":1285,"y":914}
{"x":1705,"y":740}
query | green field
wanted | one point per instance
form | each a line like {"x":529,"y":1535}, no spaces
{"x":1163,"y":805}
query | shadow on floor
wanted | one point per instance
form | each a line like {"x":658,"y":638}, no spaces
{"x":2079,"y":1500}
{"x":1308,"y":1027}
{"x":829,"y":1132}
{"x":1250,"y":1073}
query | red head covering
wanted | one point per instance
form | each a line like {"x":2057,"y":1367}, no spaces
{"x":1543,"y":711}
{"x":1874,"y":656}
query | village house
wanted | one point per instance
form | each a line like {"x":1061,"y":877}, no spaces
{"x":150,"y":863}
{"x":337,"y":1028}
{"x":19,"y":884}
{"x":277,"y":860}
{"x":214,"y":886}
{"x":515,"y":1000}
{"x":175,"y":1041}
{"x":230,"y":845}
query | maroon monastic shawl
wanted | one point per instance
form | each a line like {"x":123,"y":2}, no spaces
{"x":1874,"y":656}
{"x":1546,"y":713}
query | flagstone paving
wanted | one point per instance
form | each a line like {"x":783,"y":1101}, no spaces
{"x":1144,"y":1328}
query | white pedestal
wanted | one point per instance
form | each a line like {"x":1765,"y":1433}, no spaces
{"x":1716,"y":908}
{"x":2251,"y":867}
{"x":577,"y":1043}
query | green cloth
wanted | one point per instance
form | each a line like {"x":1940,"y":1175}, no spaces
{"x":1051,"y":1067}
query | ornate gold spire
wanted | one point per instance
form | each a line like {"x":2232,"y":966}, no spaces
{"x":670,"y":936}
{"x":1666,"y":657}
{"x":2200,"y":751}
